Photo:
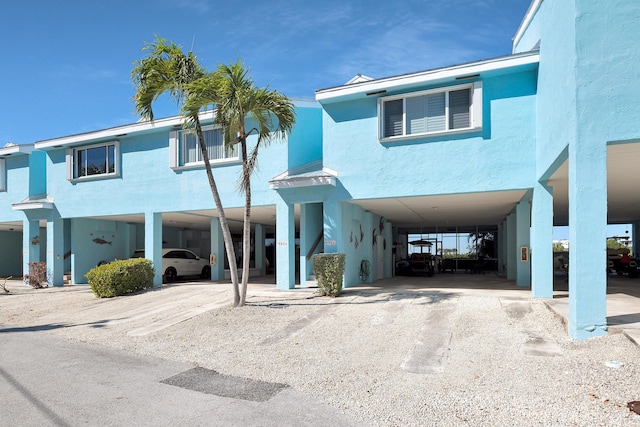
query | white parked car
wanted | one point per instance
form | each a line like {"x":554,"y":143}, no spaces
{"x":180,"y":262}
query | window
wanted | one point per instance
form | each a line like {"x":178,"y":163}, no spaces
{"x":186,"y":152}
{"x":456,"y":109}
{"x":94,"y":161}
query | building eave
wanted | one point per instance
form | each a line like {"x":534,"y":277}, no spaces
{"x":16,"y":150}
{"x":528,"y":17}
{"x":395,"y":83}
{"x":116,"y":132}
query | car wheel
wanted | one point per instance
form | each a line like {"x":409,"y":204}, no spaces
{"x":206,"y":273}
{"x":170,"y":275}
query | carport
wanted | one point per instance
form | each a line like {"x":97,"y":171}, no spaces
{"x":101,"y":239}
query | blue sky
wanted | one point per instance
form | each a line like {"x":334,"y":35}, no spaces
{"x":67,"y":64}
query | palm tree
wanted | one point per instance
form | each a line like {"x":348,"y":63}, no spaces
{"x":240,"y":102}
{"x":168,"y":70}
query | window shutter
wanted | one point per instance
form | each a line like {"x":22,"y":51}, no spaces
{"x":459,"y":102}
{"x":69,"y":163}
{"x":3,"y":175}
{"x":173,"y":149}
{"x":393,"y":118}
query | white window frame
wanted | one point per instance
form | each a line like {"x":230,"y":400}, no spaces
{"x":3,"y":175}
{"x":72,"y":166}
{"x":475,"y":112}
{"x":177,"y":148}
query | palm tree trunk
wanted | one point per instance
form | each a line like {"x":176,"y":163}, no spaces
{"x":226,"y":234}
{"x":246,"y":231}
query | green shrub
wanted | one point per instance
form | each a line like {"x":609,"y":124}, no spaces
{"x":329,"y":269}
{"x":121,"y":277}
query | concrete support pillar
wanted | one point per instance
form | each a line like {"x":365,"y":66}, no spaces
{"x":542,"y":242}
{"x":635,"y":244}
{"x":217,"y":250}
{"x":501,"y":245}
{"x":258,"y":239}
{"x":30,"y":243}
{"x":587,"y":237}
{"x":285,"y":245}
{"x":511,"y":248}
{"x":153,"y":243}
{"x":523,"y":242}
{"x":55,"y":251}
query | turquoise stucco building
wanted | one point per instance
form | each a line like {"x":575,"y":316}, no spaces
{"x":544,"y":135}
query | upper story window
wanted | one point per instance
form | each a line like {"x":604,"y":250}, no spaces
{"x":93,"y":161}
{"x":186,"y":152}
{"x":3,"y":175}
{"x":432,"y":112}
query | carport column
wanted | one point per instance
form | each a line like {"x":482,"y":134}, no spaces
{"x":511,"y":257}
{"x":55,"y":250}
{"x":217,"y":250}
{"x":523,"y":242}
{"x":635,"y":244}
{"x":502,"y":243}
{"x":153,"y":243}
{"x":30,"y":243}
{"x":285,"y":245}
{"x":258,"y":238}
{"x":542,"y":242}
{"x":587,"y":237}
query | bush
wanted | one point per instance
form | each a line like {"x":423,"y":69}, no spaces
{"x":329,"y":269}
{"x":37,"y":277}
{"x":121,"y":277}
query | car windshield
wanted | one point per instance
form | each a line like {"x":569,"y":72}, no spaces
{"x":138,"y":254}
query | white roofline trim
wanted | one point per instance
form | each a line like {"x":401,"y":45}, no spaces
{"x":16,"y":149}
{"x":117,"y":131}
{"x":390,"y":83}
{"x":528,"y":17}
{"x":302,"y":182}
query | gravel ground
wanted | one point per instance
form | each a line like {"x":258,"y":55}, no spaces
{"x":350,"y":352}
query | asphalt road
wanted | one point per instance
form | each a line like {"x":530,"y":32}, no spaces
{"x":51,"y":381}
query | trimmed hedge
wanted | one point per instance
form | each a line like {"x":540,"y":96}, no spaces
{"x":121,"y":277}
{"x":329,"y":270}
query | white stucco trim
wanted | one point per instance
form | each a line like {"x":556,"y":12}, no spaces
{"x":34,"y":202}
{"x":16,"y":149}
{"x":302,"y":182}
{"x":528,"y":17}
{"x":397,"y":82}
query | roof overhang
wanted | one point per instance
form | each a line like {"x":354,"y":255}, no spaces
{"x":34,"y":202}
{"x":308,"y":175}
{"x":16,"y":150}
{"x":118,"y":131}
{"x":453,"y":73}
